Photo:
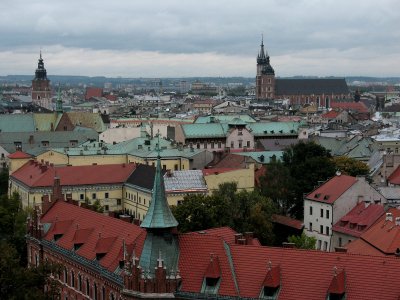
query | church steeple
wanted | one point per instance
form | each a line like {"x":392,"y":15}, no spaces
{"x":40,"y":73}
{"x":159,"y":215}
{"x":261,"y":58}
{"x":59,"y":103}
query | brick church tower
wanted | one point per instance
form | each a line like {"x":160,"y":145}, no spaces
{"x":41,"y":92}
{"x":265,"y":79}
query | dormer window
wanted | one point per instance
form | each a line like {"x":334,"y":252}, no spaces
{"x":212,"y":277}
{"x":99,"y":256}
{"x":271,"y":283}
{"x":337,"y":288}
{"x":57,"y":237}
{"x":77,"y":246}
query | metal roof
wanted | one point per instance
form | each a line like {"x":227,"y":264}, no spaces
{"x":186,"y":180}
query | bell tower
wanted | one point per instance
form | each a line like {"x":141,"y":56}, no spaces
{"x":265,"y":78}
{"x":41,"y":92}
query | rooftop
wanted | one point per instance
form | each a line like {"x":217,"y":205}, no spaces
{"x":332,"y":189}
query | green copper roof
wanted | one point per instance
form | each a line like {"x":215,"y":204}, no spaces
{"x":224,"y":119}
{"x":159,"y":215}
{"x":17,"y":123}
{"x":156,"y":247}
{"x":207,"y":130}
{"x":274,"y":128}
{"x":263,"y":157}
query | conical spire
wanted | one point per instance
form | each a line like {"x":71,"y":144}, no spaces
{"x":59,"y":105}
{"x":262,"y":58}
{"x":159,"y":214}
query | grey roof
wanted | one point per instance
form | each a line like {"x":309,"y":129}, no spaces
{"x":185,"y":180}
{"x":390,"y":193}
{"x":277,"y":144}
{"x":318,"y":86}
{"x":33,"y":142}
{"x":17,"y":123}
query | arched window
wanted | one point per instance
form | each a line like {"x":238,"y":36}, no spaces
{"x":80,"y":282}
{"x":87,"y":286}
{"x":95,"y":291}
{"x":72,"y":278}
{"x":66,"y":275}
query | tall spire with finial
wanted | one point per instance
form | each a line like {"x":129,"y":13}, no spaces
{"x":159,"y":214}
{"x":59,"y":103}
{"x":40,"y":73}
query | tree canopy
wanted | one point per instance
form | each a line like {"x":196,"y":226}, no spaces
{"x":351,"y":166}
{"x":303,"y":166}
{"x":16,"y":280}
{"x":242,"y":211}
{"x":303,"y":241}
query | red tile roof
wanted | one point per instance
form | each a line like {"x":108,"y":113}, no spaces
{"x":394,"y":178}
{"x":359,"y":246}
{"x":359,"y":219}
{"x":384,"y":235}
{"x":287,"y":221}
{"x":35,"y":174}
{"x":93,"y":92}
{"x":226,"y":233}
{"x":330,"y":115}
{"x":308,"y":274}
{"x":357,"y":106}
{"x":332,"y":189}
{"x":97,"y":232}
{"x":19,"y":154}
{"x":194,"y":259}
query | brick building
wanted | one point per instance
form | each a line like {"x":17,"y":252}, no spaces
{"x":322,"y":91}
{"x":107,"y":258}
{"x":41,"y":91}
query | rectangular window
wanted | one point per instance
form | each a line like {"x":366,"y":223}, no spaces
{"x":310,"y":226}
{"x":212,"y":145}
{"x":319,"y":245}
{"x":118,"y":201}
{"x":82,"y":196}
{"x":327,"y":230}
{"x":325,"y":246}
{"x":322,"y":213}
{"x":327,"y":214}
{"x":106,"y":208}
{"x":340,"y":242}
{"x":321,"y":229}
{"x":232,"y":145}
{"x":94,"y":196}
{"x":219,"y":145}
{"x":310,"y":210}
{"x":45,"y":143}
{"x":176,"y":167}
{"x":205,"y":145}
{"x":248,"y":144}
{"x":106,"y":195}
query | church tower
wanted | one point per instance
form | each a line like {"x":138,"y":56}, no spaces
{"x":265,"y":79}
{"x":41,"y":92}
{"x":155,"y":275}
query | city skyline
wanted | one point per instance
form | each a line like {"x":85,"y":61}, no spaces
{"x":193,"y":38}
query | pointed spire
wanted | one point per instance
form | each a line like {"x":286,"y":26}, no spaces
{"x":59,"y":106}
{"x":159,"y":214}
{"x":41,"y":72}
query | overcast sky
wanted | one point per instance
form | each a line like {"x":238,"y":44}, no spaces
{"x":171,"y":38}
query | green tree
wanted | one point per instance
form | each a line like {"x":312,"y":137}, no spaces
{"x":303,"y":241}
{"x":243,"y":211}
{"x":308,"y":163}
{"x":276,"y":184}
{"x":351,"y":166}
{"x":16,"y":280}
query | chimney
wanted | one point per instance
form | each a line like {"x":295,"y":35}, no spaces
{"x":237,"y":237}
{"x":389,"y":217}
{"x":248,"y":237}
{"x":125,"y":218}
{"x":287,"y":245}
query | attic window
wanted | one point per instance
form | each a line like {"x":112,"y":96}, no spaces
{"x":326,"y":197}
{"x":77,"y":246}
{"x":317,"y":195}
{"x":270,"y":292}
{"x":99,"y":256}
{"x":333,"y":296}
{"x":57,"y":237}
